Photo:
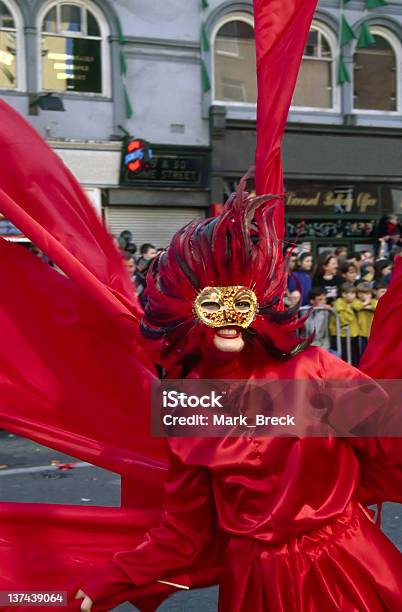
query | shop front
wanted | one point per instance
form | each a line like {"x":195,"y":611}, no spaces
{"x":156,"y":202}
{"x":339,"y":181}
{"x":330,"y":213}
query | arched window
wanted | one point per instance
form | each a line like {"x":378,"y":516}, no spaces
{"x":8,"y":48}
{"x":234,"y":61}
{"x":315,"y":86}
{"x":74,"y":49}
{"x":376,"y":75}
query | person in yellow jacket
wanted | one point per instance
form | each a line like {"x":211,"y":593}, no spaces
{"x":345,"y":308}
{"x":364,"y":305}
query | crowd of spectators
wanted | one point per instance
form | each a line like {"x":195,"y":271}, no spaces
{"x":341,"y":290}
{"x":136,"y":266}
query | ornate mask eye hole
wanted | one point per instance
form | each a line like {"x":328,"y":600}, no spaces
{"x":210,"y":306}
{"x":243,"y":306}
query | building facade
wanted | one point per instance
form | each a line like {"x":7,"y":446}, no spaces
{"x":343,"y":143}
{"x":181,"y":75}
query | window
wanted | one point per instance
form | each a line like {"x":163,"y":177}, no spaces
{"x":315,"y":86}
{"x":8,"y":48}
{"x":73,"y":49}
{"x":234,"y":62}
{"x":396,"y":193}
{"x":376,"y":76}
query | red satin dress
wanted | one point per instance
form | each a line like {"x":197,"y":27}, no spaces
{"x":296,"y":535}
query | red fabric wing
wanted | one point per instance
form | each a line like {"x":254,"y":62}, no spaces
{"x":73,"y":372}
{"x":43,"y":199}
{"x":281,"y":28}
{"x":69,"y":378}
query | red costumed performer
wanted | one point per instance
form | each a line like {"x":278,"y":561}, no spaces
{"x":296,"y":535}
{"x":280,"y":523}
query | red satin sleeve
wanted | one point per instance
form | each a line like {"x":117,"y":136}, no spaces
{"x":371,"y":417}
{"x":380,"y":457}
{"x":183,"y":532}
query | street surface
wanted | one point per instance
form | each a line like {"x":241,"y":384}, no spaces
{"x":26,"y":475}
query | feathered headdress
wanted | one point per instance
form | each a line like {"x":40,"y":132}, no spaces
{"x":239,"y":247}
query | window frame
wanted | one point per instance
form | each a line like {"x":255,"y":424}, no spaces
{"x":396,"y":45}
{"x":331,"y":39}
{"x":229,"y":17}
{"x":20,"y":42}
{"x":104,"y":40}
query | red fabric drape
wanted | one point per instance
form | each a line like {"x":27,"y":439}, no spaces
{"x":74,"y":374}
{"x":281,"y":28}
{"x":43,"y":199}
{"x":71,"y":354}
{"x":66,"y":368}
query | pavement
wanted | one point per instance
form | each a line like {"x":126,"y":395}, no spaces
{"x":27,"y":475}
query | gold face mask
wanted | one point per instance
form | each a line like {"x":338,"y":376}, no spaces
{"x":223,"y":306}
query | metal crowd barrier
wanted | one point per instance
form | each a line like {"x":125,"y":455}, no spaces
{"x":332,"y":312}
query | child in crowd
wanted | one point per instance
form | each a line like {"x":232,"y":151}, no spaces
{"x":356,"y":259}
{"x":292,"y":298}
{"x":383,"y":271}
{"x":341,"y":252}
{"x":349,"y":273}
{"x":379,"y":289}
{"x":364,"y":305}
{"x":317,"y":322}
{"x":344,"y":306}
{"x":325,"y":275}
{"x":301,"y":277}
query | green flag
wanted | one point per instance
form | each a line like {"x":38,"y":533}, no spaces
{"x":347,"y":33}
{"x":204,"y":39}
{"x":123,"y":63}
{"x":206,"y":83}
{"x":365,"y":38}
{"x":343,"y":73}
{"x":127,"y":102}
{"x":372,"y":4}
{"x":120,"y":32}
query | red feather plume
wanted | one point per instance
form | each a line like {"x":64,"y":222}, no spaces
{"x":240,"y":247}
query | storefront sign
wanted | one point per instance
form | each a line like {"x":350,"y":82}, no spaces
{"x":313,"y":198}
{"x":179,"y":170}
{"x":318,"y":197}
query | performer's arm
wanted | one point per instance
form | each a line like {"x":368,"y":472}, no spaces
{"x":184,"y":530}
{"x":369,"y":417}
